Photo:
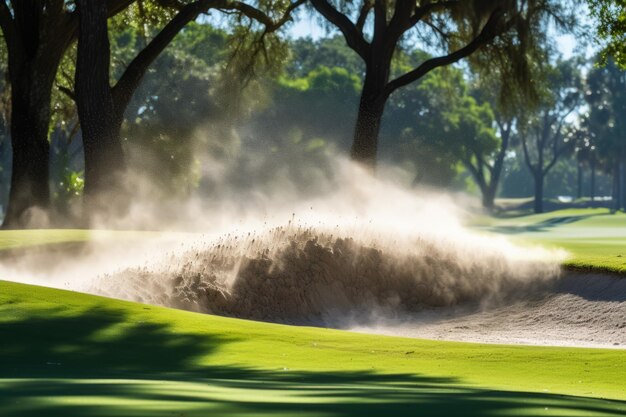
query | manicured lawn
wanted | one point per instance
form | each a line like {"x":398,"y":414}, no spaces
{"x":594,"y":238}
{"x":16,"y":239}
{"x":11,"y":239}
{"x":64,"y":353}
{"x":70,"y":354}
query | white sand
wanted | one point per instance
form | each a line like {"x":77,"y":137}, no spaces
{"x":584,"y":310}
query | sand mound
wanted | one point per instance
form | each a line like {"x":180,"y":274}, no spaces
{"x":301,"y":275}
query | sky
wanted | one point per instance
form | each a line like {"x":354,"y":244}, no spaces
{"x":306,"y":26}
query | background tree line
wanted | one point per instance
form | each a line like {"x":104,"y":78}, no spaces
{"x":92,"y":90}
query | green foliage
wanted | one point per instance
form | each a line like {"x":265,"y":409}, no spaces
{"x":610,"y":17}
{"x":306,"y":55}
{"x":74,"y":183}
{"x":176,"y":101}
{"x":142,"y":16}
{"x":547,"y":131}
{"x":513,"y":56}
{"x":324,"y":80}
{"x":606,"y":96}
{"x":436,"y":125}
{"x":307,"y":110}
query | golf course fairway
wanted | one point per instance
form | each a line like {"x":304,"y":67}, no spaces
{"x":64,"y":353}
{"x":595,"y":239}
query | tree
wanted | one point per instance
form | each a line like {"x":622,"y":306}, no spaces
{"x":165,"y":141}
{"x":439,"y":127}
{"x":459,"y":28}
{"x":5,"y":150}
{"x":300,"y":103}
{"x":288,"y":140}
{"x":101,"y":107}
{"x":545,"y":136}
{"x":586,"y":156}
{"x":486,"y":167}
{"x":606,"y":97}
{"x":610,"y":20}
{"x":484,"y":150}
{"x":37,"y":34}
{"x":307,"y":54}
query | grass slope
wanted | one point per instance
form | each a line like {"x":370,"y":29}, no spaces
{"x":64,"y":353}
{"x":594,"y":238}
{"x":20,"y":239}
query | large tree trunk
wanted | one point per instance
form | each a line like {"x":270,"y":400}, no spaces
{"x":579,"y":181}
{"x":37,"y":34}
{"x":622,"y":181}
{"x":489,"y":197}
{"x":29,"y":197}
{"x":487,"y":190}
{"x":538,"y":203}
{"x":592,"y":185}
{"x":490,"y":190}
{"x":371,"y":107}
{"x":100,"y":122}
{"x":615,"y":197}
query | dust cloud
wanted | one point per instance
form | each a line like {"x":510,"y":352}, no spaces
{"x":363,"y":249}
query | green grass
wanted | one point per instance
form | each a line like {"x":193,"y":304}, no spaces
{"x":70,"y":354}
{"x":17,"y":239}
{"x":594,"y":238}
{"x":11,"y":239}
{"x":64,"y":353}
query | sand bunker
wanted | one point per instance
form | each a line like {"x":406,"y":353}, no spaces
{"x":430,"y":288}
{"x":469,"y":290}
{"x":582,"y":310}
{"x":302,"y":276}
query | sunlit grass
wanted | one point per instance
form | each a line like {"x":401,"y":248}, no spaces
{"x":594,"y":238}
{"x":66,"y":351}
{"x":14,"y":239}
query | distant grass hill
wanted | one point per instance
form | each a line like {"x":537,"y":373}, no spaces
{"x":595,"y":238}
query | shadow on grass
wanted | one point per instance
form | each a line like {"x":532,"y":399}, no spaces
{"x":104,"y":363}
{"x":542,"y":226}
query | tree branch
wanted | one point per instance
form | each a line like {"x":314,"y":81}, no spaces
{"x":354,"y":38}
{"x":8,"y":27}
{"x":555,"y":155}
{"x":380,"y":17}
{"x":478,"y":176}
{"x":70,"y":22}
{"x":487,"y":34}
{"x":399,"y":23}
{"x":117,"y":6}
{"x":68,"y":92}
{"x":505,"y":135}
{"x":543,"y":131}
{"x":258,"y":15}
{"x":130,"y":79}
{"x":363,"y":13}
{"x":558,"y":151}
{"x":423,"y":11}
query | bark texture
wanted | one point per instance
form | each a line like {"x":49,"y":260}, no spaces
{"x":99,"y":120}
